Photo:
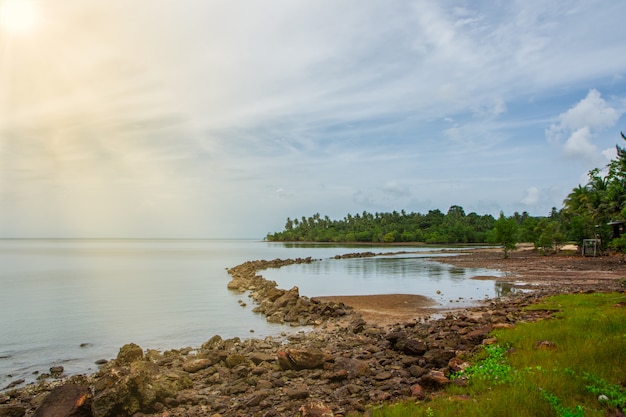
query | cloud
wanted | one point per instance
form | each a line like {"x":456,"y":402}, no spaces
{"x":395,"y":189}
{"x":532,"y":196}
{"x":592,"y":112}
{"x":579,"y":144}
{"x":226,"y":115}
{"x":580,"y":125}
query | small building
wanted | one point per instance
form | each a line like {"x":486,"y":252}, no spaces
{"x":618,"y":228}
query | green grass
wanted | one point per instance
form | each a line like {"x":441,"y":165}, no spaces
{"x":581,"y":373}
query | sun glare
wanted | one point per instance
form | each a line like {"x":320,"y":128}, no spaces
{"x":18,"y":16}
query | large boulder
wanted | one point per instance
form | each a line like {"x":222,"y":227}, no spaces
{"x":69,"y":400}
{"x":128,"y":354}
{"x":140,"y":387}
{"x":302,"y":358}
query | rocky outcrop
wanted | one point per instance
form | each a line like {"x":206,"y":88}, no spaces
{"x":279,"y":305}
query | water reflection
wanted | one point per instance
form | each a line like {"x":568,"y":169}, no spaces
{"x":406,"y":274}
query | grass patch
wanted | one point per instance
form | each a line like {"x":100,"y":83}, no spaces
{"x":570,"y":366}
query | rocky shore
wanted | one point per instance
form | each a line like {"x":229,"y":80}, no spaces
{"x":340,"y":364}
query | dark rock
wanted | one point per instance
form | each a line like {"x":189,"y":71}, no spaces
{"x":67,"y":400}
{"x":435,"y":379}
{"x":12,"y":411}
{"x":439,"y":358}
{"x":56,"y":370}
{"x":411,"y":347}
{"x":417,"y":371}
{"x":15,"y":383}
{"x":354,"y":367}
{"x":297,"y":393}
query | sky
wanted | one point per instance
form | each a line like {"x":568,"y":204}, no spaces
{"x":220,"y":119}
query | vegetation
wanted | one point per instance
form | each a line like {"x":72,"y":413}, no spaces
{"x":579,"y":371}
{"x":505,"y":234}
{"x":434,"y":227}
{"x":586,"y":213}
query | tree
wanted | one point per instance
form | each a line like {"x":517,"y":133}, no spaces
{"x":505,"y":233}
{"x":549,"y":236}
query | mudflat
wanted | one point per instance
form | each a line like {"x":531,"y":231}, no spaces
{"x":525,"y":269}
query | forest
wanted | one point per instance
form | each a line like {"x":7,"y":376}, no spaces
{"x":589,"y":211}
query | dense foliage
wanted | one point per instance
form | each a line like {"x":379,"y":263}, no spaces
{"x":589,"y":209}
{"x":586,"y":213}
{"x":434,"y":227}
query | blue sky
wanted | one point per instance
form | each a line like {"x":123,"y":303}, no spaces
{"x":190,"y":118}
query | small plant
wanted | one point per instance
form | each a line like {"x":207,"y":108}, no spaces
{"x":609,"y":394}
{"x":494,"y":367}
{"x":560,"y":410}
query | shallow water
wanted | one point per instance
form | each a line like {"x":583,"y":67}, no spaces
{"x":399,"y":274}
{"x":71,"y":302}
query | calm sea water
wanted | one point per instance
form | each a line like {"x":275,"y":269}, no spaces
{"x":71,"y":302}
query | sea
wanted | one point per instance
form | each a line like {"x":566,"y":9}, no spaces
{"x":72,"y":302}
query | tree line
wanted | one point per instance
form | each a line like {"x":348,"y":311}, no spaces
{"x":587,"y":213}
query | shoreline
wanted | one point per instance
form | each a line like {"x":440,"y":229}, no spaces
{"x":361,"y":350}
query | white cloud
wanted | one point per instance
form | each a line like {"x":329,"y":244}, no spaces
{"x":580,"y":125}
{"x":579,"y":144}
{"x":395,"y":189}
{"x":532,"y":196}
{"x":610,"y":153}
{"x":592,"y":112}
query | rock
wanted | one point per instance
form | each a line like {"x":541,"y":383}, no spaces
{"x":56,"y":370}
{"x":12,"y":411}
{"x":259,"y":357}
{"x":215,"y":342}
{"x":316,"y":409}
{"x":417,"y":371}
{"x":127,"y":390}
{"x":15,"y":383}
{"x":196,"y":365}
{"x":67,"y":400}
{"x":411,"y":347}
{"x":478,"y":334}
{"x":418,"y":392}
{"x":287,"y":298}
{"x":235,"y":359}
{"x":256,"y":398}
{"x":457,"y":365}
{"x":298,"y":393}
{"x":402,"y":343}
{"x":439,"y":358}
{"x":128,"y":354}
{"x":435,"y":379}
{"x":355,"y":368}
{"x":303,"y":358}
